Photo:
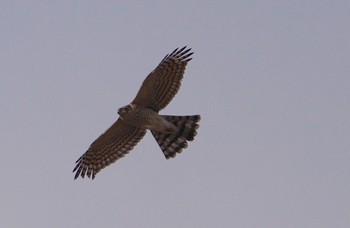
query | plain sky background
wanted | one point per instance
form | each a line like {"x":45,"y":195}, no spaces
{"x":271,"y":80}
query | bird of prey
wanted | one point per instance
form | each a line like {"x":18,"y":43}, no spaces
{"x":142,"y":114}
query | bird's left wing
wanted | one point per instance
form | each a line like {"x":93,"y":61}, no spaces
{"x":113,"y":144}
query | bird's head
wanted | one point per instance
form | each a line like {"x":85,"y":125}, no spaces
{"x":126,"y":109}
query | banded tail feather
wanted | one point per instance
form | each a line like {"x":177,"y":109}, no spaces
{"x":171,"y":144}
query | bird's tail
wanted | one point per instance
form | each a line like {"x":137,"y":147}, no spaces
{"x":174,"y":142}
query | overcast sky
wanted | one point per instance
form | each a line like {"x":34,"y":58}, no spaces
{"x":271,"y":80}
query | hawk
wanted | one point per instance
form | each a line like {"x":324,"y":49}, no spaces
{"x":142,"y":114}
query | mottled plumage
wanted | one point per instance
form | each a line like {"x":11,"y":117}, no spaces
{"x":172,"y":143}
{"x":170,"y":132}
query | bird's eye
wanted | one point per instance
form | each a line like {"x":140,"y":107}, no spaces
{"x":123,"y":110}
{"x":120,"y":110}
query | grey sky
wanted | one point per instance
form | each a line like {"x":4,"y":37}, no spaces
{"x":271,"y":80}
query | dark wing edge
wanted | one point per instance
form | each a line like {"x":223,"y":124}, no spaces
{"x":112,"y":145}
{"x":162,"y":84}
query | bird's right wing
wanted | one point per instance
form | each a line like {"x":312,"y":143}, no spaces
{"x":162,"y":84}
{"x":113,"y":144}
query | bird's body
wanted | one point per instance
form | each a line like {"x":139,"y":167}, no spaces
{"x":170,"y":132}
{"x":146,"y":118}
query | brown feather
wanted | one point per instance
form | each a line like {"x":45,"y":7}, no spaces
{"x":162,"y":84}
{"x":171,"y":144}
{"x":117,"y":141}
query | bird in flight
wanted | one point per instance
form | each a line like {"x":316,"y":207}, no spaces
{"x":142,"y":114}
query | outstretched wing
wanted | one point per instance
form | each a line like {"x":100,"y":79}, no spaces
{"x":117,"y":141}
{"x":161,"y":85}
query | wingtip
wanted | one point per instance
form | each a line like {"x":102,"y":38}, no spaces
{"x":76,"y":175}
